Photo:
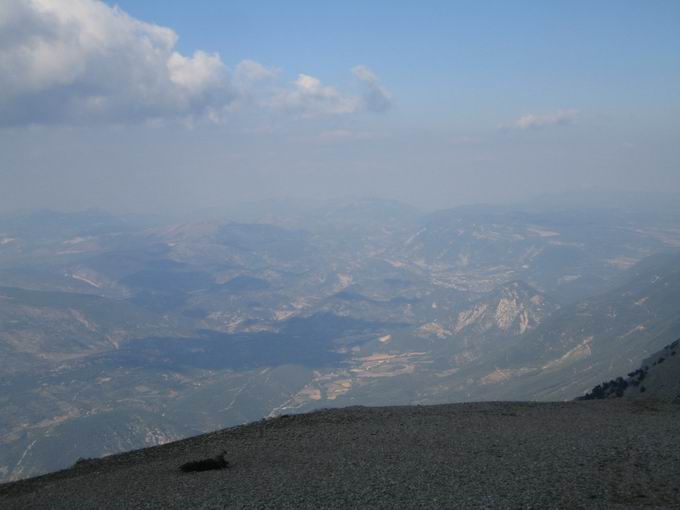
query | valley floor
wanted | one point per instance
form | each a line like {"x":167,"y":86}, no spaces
{"x":596,"y":454}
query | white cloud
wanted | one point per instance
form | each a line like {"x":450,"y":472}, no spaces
{"x":82,"y":61}
{"x":537,"y":121}
{"x":310,"y":97}
{"x":196,"y":74}
{"x":375,"y":98}
{"x":71,"y":61}
{"x":248,"y":72}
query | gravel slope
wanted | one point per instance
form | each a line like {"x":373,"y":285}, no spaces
{"x":596,"y":454}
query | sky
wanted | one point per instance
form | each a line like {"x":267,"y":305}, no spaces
{"x":173,"y":106}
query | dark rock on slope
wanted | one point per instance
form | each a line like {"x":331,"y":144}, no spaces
{"x":602,"y":454}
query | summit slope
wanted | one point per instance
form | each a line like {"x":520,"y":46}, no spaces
{"x":597,"y":454}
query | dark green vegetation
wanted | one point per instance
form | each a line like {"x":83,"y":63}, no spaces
{"x":658,"y":378}
{"x":117,"y":333}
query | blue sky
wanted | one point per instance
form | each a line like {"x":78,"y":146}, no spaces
{"x":540,"y":53}
{"x":436,"y":103}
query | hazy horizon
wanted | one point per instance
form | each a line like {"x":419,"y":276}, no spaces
{"x":165,"y":107}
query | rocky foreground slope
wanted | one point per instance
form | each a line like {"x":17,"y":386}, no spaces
{"x":595,"y":454}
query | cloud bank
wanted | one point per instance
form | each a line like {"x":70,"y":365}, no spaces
{"x":82,"y":61}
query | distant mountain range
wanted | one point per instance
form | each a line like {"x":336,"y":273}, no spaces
{"x":515,"y":344}
{"x":140,"y":332}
